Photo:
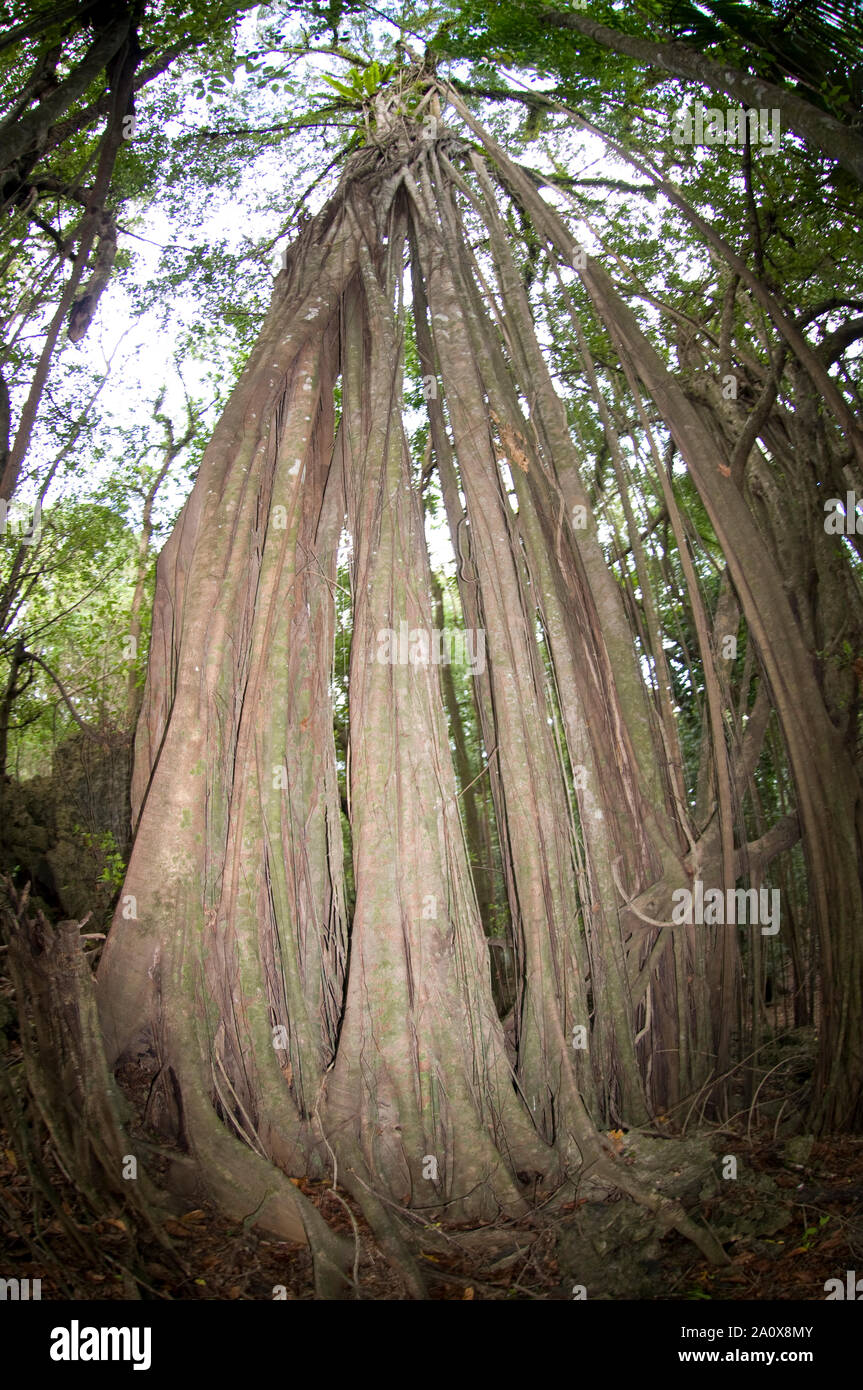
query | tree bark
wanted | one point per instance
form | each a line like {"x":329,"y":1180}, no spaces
{"x":816,"y":128}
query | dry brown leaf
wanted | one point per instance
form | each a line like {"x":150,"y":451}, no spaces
{"x":175,"y":1228}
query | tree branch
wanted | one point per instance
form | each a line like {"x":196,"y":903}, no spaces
{"x":88,"y":729}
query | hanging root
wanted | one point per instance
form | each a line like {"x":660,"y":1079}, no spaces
{"x":385,"y":1227}
{"x":249,"y":1188}
{"x":670,"y":1214}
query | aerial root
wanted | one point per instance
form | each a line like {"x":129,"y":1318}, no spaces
{"x":384,"y":1225}
{"x":248,"y":1188}
{"x":670,"y":1213}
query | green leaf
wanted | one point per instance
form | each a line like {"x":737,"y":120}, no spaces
{"x":340,"y":87}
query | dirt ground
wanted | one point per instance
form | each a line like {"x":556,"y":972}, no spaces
{"x":789,"y":1211}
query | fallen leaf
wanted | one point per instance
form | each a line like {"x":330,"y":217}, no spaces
{"x":174,"y":1228}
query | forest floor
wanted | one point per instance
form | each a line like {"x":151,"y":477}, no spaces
{"x":790,"y":1219}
